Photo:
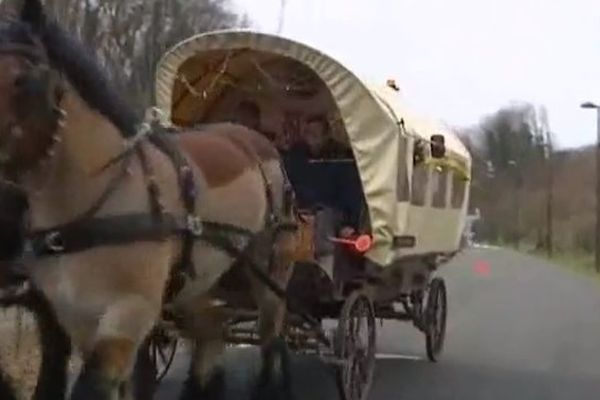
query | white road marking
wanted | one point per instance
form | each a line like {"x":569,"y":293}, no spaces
{"x":485,"y":246}
{"x":389,"y":356}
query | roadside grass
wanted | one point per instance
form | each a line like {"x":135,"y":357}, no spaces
{"x":576,"y":261}
{"x":580,"y":262}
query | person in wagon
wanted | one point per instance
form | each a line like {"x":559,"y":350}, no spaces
{"x":328,"y":188}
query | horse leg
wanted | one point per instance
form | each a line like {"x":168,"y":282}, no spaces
{"x":275,"y":376}
{"x":144,"y":374}
{"x":105,"y":370}
{"x":142,"y":384}
{"x":206,"y":376}
{"x":108,"y":366}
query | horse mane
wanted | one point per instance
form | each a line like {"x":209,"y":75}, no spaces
{"x":83,"y":70}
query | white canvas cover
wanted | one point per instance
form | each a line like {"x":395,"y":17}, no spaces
{"x":371,"y":116}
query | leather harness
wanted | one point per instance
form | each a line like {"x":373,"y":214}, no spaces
{"x":89,"y":231}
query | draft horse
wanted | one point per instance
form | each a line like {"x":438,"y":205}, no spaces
{"x":126,"y":216}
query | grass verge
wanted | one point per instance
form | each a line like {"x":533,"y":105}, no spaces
{"x":580,"y":262}
{"x":577,"y":261}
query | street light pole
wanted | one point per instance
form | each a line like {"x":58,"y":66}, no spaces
{"x":281,"y":22}
{"x":590,"y":105}
{"x":518,"y":184}
{"x":550,"y":200}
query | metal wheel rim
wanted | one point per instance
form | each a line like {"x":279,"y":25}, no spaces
{"x":161,"y":354}
{"x":437,"y":308}
{"x":355,"y":345}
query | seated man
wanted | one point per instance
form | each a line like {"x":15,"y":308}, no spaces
{"x":328,"y":188}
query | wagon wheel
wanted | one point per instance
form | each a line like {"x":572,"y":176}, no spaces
{"x":162,"y":350}
{"x":435,"y":318}
{"x":355,"y":346}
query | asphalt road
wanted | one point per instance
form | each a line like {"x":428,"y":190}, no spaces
{"x":518,"y":328}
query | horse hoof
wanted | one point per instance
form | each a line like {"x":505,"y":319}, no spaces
{"x":214,"y":389}
{"x":275,"y":377}
{"x":93,"y":386}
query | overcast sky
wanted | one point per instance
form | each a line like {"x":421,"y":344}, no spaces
{"x":458,"y":60}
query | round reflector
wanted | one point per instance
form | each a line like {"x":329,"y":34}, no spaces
{"x":363,"y":243}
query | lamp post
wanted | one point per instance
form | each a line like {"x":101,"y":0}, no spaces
{"x":518,"y":183}
{"x":590,"y":105}
{"x":281,"y":21}
{"x":549,"y":195}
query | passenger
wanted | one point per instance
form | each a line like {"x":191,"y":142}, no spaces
{"x":318,"y":138}
{"x":338,"y":183}
{"x":324,"y":186}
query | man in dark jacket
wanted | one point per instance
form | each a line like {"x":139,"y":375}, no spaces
{"x":320,"y":183}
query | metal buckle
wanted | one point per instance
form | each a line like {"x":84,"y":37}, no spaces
{"x":194,"y":225}
{"x":54,"y":242}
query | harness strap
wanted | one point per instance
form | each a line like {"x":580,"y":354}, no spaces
{"x":124,"y":229}
{"x":108,"y":192}
{"x":163,"y":140}
{"x":151,"y":186}
{"x":103,"y":231}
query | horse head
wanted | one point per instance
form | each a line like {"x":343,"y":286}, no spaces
{"x":31,"y":92}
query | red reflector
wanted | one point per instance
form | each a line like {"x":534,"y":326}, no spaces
{"x":361,"y":244}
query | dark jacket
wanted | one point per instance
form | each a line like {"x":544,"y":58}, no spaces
{"x":330,"y":184}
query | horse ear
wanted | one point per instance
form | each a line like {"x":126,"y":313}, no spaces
{"x":33,"y":13}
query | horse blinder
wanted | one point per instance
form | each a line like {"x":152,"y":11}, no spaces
{"x":37,"y":116}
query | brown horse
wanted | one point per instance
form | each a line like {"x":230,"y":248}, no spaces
{"x":118,"y":215}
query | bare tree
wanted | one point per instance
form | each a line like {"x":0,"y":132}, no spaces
{"x":130,"y":36}
{"x":511,"y":160}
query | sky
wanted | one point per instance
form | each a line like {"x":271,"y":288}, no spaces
{"x":459,"y":60}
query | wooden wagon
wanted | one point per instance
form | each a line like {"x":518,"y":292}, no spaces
{"x":399,"y":182}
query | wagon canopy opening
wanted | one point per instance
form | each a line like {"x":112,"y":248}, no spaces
{"x":288,"y":103}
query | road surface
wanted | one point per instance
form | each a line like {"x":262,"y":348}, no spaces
{"x":518,"y":328}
